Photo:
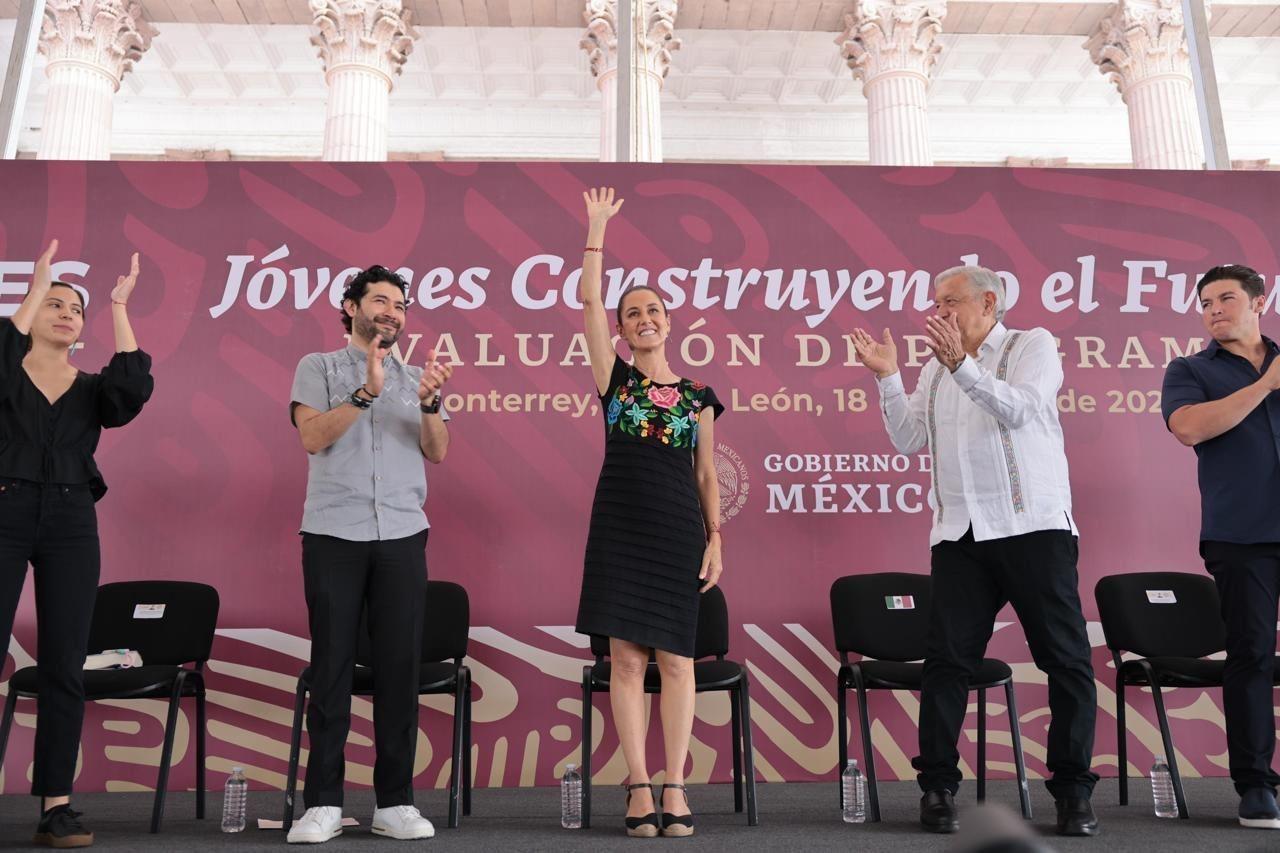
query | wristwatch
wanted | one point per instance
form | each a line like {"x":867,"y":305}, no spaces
{"x":432,"y":408}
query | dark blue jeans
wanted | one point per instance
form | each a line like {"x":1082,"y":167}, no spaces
{"x":55,"y":529}
{"x":1248,"y":579}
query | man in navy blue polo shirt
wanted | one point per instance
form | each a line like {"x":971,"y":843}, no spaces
{"x":1224,"y":402}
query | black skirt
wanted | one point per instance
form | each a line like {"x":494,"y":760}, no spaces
{"x":645,"y":547}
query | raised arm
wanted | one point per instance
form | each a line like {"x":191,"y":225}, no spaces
{"x":1030,"y":388}
{"x":320,"y":428}
{"x":125,"y":341}
{"x":41,"y":281}
{"x":433,"y":434}
{"x":903,"y":413}
{"x":1191,"y":423}
{"x":600,"y":207}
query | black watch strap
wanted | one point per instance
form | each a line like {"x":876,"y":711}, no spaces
{"x":433,"y":408}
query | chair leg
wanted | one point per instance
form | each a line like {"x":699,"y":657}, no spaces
{"x":201,"y":722}
{"x":1167,"y":736}
{"x":982,"y":745}
{"x":748,"y":754}
{"x":458,"y":770}
{"x":842,"y":735}
{"x":868,"y":753}
{"x":295,"y":750}
{"x":586,"y":747}
{"x":735,"y":725}
{"x":1019,"y":760}
{"x":10,"y":705}
{"x":1122,"y":742}
{"x":466,"y":752}
{"x":166,"y":753}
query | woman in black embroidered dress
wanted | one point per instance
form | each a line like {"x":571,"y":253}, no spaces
{"x":654,"y":543}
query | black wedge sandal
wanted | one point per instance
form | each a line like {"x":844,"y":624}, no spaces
{"x":641,"y":827}
{"x":677,"y":826}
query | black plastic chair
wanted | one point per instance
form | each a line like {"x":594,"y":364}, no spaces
{"x":709,"y":676}
{"x":182,"y":634}
{"x":1171,"y":635}
{"x":894,"y":638}
{"x":445,"y":626}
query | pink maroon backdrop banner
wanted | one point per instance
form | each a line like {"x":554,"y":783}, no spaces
{"x":765,"y":269}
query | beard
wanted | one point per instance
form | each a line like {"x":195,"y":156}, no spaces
{"x":367,"y":328}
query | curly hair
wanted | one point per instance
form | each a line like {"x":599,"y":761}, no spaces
{"x":359,"y":286}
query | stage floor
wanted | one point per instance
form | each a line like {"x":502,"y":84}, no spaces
{"x":792,"y":817}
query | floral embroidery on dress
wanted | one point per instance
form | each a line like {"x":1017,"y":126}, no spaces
{"x":665,"y":413}
{"x":664,"y":397}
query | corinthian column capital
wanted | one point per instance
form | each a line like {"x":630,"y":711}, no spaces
{"x":108,"y":36}
{"x":376,"y":35}
{"x":885,"y":36}
{"x":1139,"y":40}
{"x":655,"y":35}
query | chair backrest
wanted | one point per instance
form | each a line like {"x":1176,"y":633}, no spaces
{"x":1161,"y":614}
{"x":446,"y":623}
{"x":712,"y":639}
{"x":883,"y":616}
{"x":168,"y":622}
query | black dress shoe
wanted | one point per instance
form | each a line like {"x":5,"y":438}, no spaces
{"x":1076,"y":817}
{"x":938,"y":812}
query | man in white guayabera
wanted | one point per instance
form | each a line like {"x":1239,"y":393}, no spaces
{"x":1002,"y":530}
{"x":367,"y":422}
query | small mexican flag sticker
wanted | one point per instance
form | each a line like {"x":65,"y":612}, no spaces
{"x":900,"y":602}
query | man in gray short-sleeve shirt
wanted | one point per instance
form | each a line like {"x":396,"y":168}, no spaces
{"x":367,"y":422}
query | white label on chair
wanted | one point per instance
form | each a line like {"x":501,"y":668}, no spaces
{"x":1161,"y":596}
{"x":148,"y":611}
{"x":900,"y":602}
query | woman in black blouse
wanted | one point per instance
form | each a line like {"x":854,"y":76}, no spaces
{"x":51,"y":416}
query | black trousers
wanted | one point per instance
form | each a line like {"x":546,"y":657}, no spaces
{"x":1036,"y":573}
{"x":342,"y":578}
{"x":55,"y":529}
{"x":1248,"y":579}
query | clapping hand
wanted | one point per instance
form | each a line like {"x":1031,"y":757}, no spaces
{"x":42,"y":280}
{"x":124,"y":284}
{"x":944,"y":339}
{"x":434,"y":375}
{"x":881,"y":357}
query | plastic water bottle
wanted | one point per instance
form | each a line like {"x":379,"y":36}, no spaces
{"x":854,"y":786}
{"x":571,"y":798}
{"x":234,"y":797}
{"x":1162,"y":789}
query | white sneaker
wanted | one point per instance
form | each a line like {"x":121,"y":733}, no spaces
{"x":317,"y":825}
{"x":402,"y":822}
